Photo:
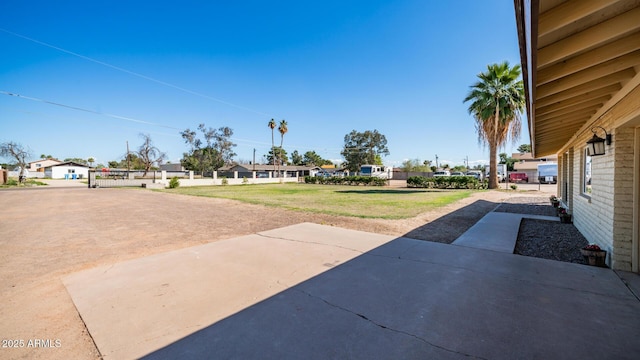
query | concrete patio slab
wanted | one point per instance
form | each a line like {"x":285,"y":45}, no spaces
{"x":318,"y":292}
{"x":497,"y":231}
{"x":135,"y":307}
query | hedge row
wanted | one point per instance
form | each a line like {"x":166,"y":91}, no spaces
{"x":346,"y":180}
{"x":445,"y":182}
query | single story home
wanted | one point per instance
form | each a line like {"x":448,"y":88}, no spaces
{"x":67,"y":170}
{"x":581,"y":72}
{"x":526,"y":163}
{"x":40,"y":165}
{"x":291,"y":170}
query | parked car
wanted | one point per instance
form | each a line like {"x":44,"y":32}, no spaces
{"x":441,"y":173}
{"x":457,"y":173}
{"x":475,"y":174}
{"x":518,"y":177}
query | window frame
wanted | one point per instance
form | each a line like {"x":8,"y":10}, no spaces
{"x":587,"y":174}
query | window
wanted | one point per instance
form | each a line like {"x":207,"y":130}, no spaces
{"x":586,"y":174}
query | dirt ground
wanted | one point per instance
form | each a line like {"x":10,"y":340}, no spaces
{"x":46,"y":234}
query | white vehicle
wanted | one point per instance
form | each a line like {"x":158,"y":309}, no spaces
{"x":502,"y":172}
{"x":475,"y":173}
{"x":441,"y":173}
{"x":376,"y":171}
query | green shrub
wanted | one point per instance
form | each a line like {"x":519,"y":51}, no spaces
{"x":12,"y":182}
{"x":445,"y":182}
{"x":174,"y":182}
{"x":346,"y":180}
{"x":225,"y":181}
{"x":245,"y":180}
{"x":514,"y":186}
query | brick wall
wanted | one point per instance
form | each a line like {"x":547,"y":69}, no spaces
{"x":606,"y":216}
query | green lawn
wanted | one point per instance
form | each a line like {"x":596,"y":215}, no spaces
{"x":357,"y":201}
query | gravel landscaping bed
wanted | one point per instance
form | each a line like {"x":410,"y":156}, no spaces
{"x":550,"y":240}
{"x":527,"y":205}
{"x":545,"y":239}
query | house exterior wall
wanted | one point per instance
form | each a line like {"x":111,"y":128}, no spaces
{"x":58,"y":172}
{"x":40,"y":165}
{"x":606,"y":216}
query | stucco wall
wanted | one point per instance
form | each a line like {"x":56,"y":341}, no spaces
{"x":58,"y":172}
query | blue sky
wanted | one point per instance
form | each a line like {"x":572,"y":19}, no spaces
{"x":402,"y":67}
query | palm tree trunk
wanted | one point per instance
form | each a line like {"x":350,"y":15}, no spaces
{"x":273,"y":151}
{"x":493,"y":173}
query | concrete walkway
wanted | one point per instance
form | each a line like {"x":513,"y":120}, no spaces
{"x":497,"y":231}
{"x":319,"y":292}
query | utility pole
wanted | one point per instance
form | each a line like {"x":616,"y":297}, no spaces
{"x":128,"y":159}
{"x":254,"y":159}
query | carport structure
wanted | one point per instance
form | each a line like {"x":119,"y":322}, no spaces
{"x":581,"y":60}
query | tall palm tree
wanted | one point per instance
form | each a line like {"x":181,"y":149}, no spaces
{"x":272,"y":125}
{"x":283,"y":130}
{"x":497,"y":102}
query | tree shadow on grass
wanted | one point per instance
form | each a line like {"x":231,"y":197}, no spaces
{"x":449,"y":227}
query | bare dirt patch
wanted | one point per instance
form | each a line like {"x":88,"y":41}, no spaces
{"x":50,"y":233}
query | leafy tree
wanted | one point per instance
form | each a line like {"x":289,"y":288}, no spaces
{"x":43,"y":156}
{"x":524,"y":148}
{"x":363,"y":148}
{"x":214,"y":152}
{"x":91,"y":160}
{"x":149,"y":154}
{"x":505,"y":159}
{"x":17,"y":152}
{"x":77,"y":160}
{"x":277,"y":155}
{"x":113,"y":164}
{"x":497,"y":102}
{"x":311,"y":158}
{"x":416,"y":165}
{"x":296,"y":158}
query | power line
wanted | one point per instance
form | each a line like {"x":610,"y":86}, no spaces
{"x":86,"y":110}
{"x":136,"y":74}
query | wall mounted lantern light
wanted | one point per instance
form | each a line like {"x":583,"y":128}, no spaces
{"x":595,"y":146}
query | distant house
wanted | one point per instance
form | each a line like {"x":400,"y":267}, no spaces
{"x":526,"y":163}
{"x":171,"y":167}
{"x":40,"y":165}
{"x":67,"y":170}
{"x":290,"y":169}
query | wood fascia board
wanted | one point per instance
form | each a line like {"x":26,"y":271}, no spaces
{"x":528,"y":41}
{"x":590,"y":38}
{"x":593,"y":73}
{"x":569,"y":12}
{"x":579,"y":102}
{"x":590,"y":85}
{"x":591,"y":58}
